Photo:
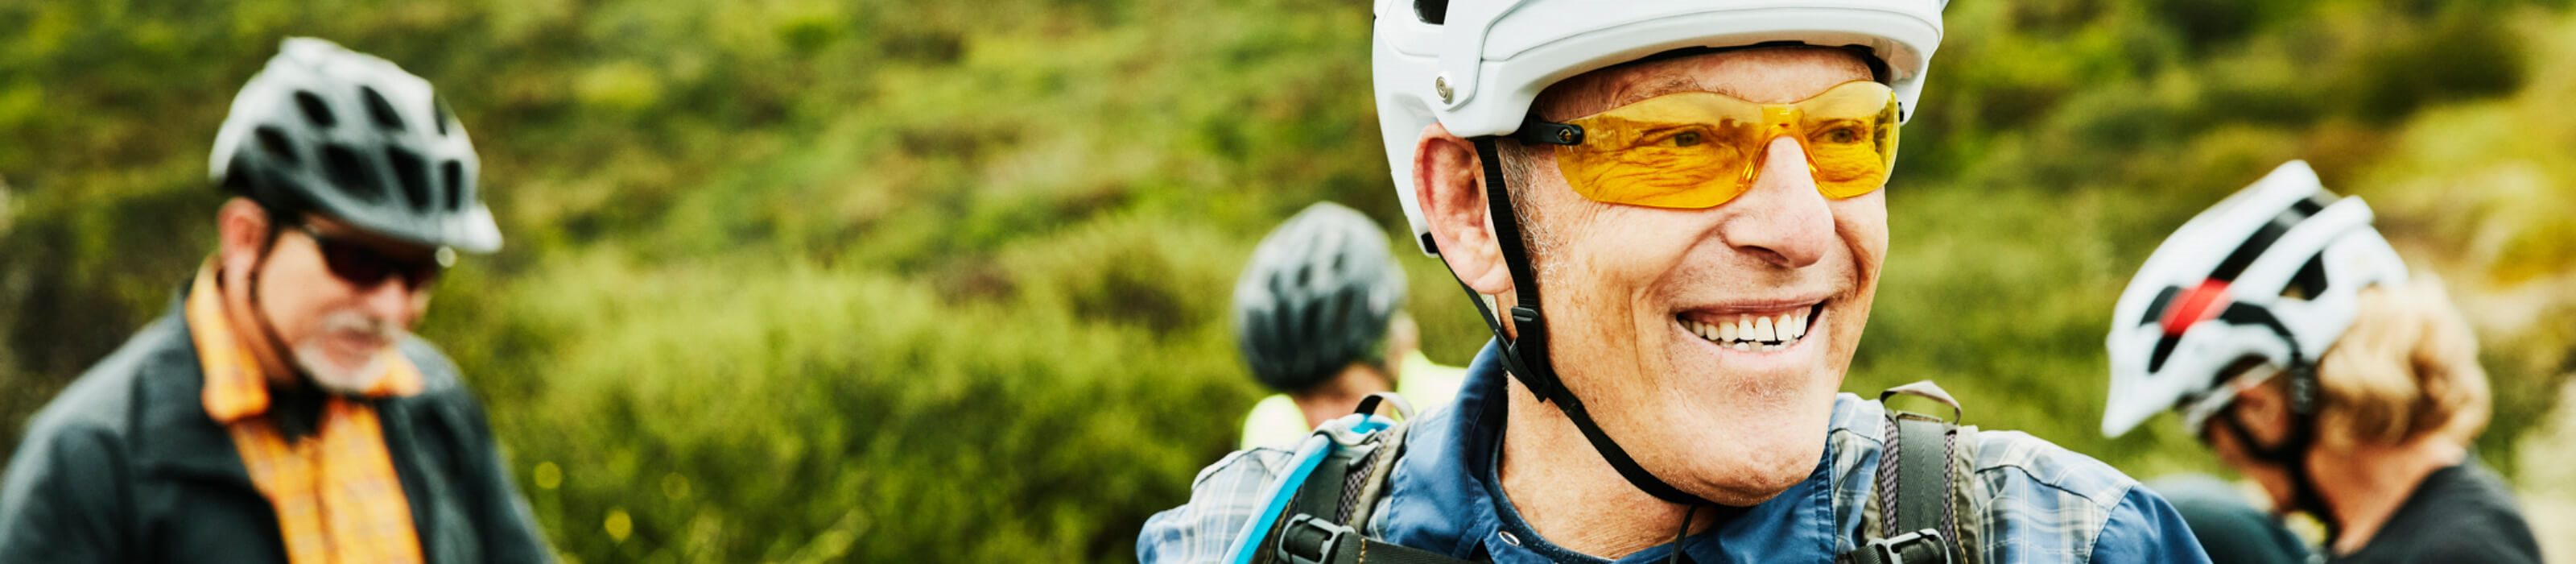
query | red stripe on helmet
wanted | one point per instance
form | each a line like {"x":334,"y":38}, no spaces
{"x":2194,"y":305}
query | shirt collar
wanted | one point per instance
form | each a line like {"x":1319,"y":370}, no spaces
{"x":1446,"y":497}
{"x":235,"y":387}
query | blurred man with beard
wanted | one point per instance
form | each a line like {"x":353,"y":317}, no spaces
{"x":281,"y":411}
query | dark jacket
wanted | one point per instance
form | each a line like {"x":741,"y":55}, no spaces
{"x":125,"y":466}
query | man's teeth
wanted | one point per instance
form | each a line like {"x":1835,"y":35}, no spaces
{"x":1753,"y":333}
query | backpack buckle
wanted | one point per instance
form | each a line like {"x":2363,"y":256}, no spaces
{"x":1308,"y":540}
{"x":1919,"y":547}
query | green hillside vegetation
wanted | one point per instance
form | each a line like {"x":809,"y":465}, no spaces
{"x":796,"y":280}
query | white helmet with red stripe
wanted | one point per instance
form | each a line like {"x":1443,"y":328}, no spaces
{"x":2271,"y":274}
{"x":1474,"y":66}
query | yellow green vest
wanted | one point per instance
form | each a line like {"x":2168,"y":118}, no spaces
{"x":1276,"y":421}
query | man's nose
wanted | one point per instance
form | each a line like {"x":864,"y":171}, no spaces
{"x":1782,"y":219}
{"x":391,"y":299}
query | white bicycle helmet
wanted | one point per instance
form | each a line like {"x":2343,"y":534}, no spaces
{"x":2271,"y":273}
{"x":1475,"y":65}
{"x":326,"y":129}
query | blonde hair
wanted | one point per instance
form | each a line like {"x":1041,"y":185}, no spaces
{"x":2406,"y":369}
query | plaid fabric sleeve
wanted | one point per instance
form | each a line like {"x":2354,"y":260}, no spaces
{"x":2041,"y":504}
{"x":2144,"y":528}
{"x":2053,"y":505}
{"x":1222,"y":498}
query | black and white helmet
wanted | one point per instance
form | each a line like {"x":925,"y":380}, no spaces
{"x":1318,"y":296}
{"x":2272,"y":273}
{"x":352,"y":136}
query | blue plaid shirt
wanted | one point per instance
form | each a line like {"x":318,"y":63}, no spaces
{"x":2038,"y":503}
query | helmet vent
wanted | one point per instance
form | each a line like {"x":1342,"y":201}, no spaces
{"x":438,"y":113}
{"x":413,"y":175}
{"x":1310,"y":318}
{"x":315,"y":111}
{"x":2310,"y":282}
{"x":349,"y":173}
{"x":274,"y":144}
{"x":378,"y":108}
{"x":2156,"y":309}
{"x":1434,"y":12}
{"x":454,"y":174}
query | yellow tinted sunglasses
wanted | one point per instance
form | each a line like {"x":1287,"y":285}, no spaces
{"x":1697,"y":150}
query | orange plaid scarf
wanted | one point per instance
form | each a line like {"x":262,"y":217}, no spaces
{"x":335,"y":492}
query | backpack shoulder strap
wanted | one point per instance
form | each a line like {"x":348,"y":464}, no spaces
{"x":1919,"y":484}
{"x":1328,"y":514}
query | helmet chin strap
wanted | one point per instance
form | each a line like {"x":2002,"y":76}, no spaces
{"x":296,"y":411}
{"x":2306,"y":398}
{"x":2291,"y":455}
{"x":1526,"y":357}
{"x":269,"y":337}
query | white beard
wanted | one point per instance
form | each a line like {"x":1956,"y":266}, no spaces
{"x":331,"y":377}
{"x":348,"y":382}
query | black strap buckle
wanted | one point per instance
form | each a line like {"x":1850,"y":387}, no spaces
{"x":1919,"y":547}
{"x":1308,"y":540}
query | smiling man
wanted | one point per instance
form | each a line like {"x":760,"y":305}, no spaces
{"x":281,"y":411}
{"x":1698,"y":189}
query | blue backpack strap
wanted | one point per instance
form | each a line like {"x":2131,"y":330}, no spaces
{"x":1256,"y":532}
{"x":1317,"y":514}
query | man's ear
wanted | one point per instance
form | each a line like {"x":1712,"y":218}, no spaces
{"x":1449,"y":183}
{"x":2264,"y":406}
{"x":241,"y":232}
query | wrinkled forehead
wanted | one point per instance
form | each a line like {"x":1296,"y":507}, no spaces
{"x":1766,"y":75}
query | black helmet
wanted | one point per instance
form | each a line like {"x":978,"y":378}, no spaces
{"x":349,"y":135}
{"x":1318,"y":296}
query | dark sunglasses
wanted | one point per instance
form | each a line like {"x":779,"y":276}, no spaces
{"x":364,"y":266}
